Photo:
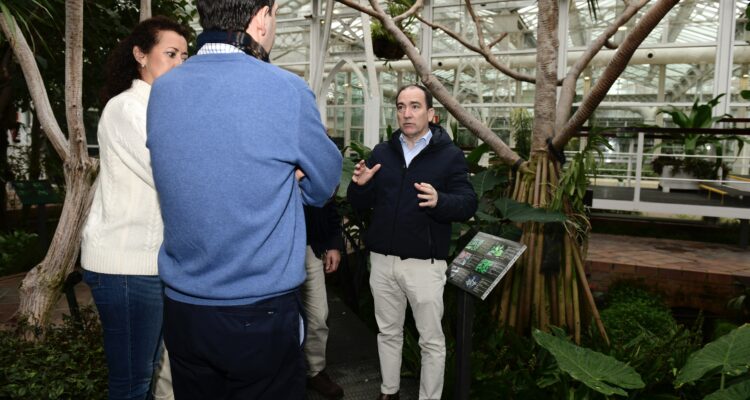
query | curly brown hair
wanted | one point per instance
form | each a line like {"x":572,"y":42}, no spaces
{"x":122,"y":67}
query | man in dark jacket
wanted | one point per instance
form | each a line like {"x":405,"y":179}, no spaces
{"x":324,"y":245}
{"x":417,"y":185}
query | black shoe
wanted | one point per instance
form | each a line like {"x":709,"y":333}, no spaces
{"x":323,"y":384}
{"x":388,"y":396}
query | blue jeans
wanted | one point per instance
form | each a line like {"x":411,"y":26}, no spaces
{"x":131,"y":310}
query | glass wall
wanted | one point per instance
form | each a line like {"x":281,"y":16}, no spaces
{"x":675,"y":65}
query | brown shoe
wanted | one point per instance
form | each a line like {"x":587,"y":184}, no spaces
{"x":323,"y":384}
{"x":388,"y":396}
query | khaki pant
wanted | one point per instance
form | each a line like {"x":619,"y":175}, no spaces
{"x":163,"y":378}
{"x":394,"y":282}
{"x":316,"y":307}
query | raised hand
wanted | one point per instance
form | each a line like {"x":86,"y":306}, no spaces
{"x":427,"y":193}
{"x":363,"y":174}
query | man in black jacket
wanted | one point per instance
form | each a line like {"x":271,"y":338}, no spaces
{"x":324,"y":245}
{"x":417,"y":185}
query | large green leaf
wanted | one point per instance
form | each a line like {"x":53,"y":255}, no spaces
{"x":740,"y":391}
{"x":486,"y":181}
{"x":476,"y":154}
{"x":598,"y":371}
{"x":730,"y":354}
{"x":521,"y":212}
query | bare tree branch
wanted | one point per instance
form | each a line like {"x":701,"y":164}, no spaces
{"x":498,"y":40}
{"x":437,"y":89}
{"x":145,"y":10}
{"x":418,"y":4}
{"x":610,"y":45}
{"x":452,"y":34}
{"x":567,"y":93}
{"x":615,"y":67}
{"x":486,"y":53}
{"x":477,"y":23}
{"x":355,"y":5}
{"x":34,"y":81}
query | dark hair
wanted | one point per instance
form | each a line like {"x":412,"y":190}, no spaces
{"x":122,"y":67}
{"x":427,"y":94}
{"x":229,"y":15}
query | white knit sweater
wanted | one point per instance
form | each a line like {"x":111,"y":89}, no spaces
{"x":124,"y":229}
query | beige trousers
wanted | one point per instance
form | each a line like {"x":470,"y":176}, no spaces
{"x":163,"y":378}
{"x":394,"y":282}
{"x":315,"y":302}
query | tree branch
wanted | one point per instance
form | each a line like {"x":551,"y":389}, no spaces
{"x":74,"y":77}
{"x":498,"y":40}
{"x":422,"y":67}
{"x":355,"y":5}
{"x":145,"y":10}
{"x":477,"y":23}
{"x":615,"y":67}
{"x":452,"y":34}
{"x":486,"y":53}
{"x":418,"y":4}
{"x":610,"y":45}
{"x":568,"y":91}
{"x":34,"y":81}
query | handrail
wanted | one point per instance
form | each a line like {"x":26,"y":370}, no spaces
{"x":654,"y":131}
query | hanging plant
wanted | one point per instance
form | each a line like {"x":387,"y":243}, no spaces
{"x":384,"y":45}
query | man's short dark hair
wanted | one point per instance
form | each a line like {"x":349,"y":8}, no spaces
{"x":229,"y":15}
{"x":427,"y":94}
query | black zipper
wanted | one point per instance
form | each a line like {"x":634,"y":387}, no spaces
{"x":398,"y":202}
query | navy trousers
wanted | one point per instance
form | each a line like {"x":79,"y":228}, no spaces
{"x":236,"y":352}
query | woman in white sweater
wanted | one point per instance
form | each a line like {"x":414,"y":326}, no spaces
{"x":123,"y":232}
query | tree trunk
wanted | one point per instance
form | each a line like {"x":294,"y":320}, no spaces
{"x":41,"y":286}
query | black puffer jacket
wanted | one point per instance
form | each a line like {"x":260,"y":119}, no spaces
{"x":399,"y":226}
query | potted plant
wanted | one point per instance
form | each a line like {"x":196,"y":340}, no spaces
{"x":700,"y":116}
{"x":384,"y":45}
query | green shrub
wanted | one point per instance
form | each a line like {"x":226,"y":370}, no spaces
{"x":18,"y":252}
{"x":67,"y":363}
{"x":627,"y":320}
{"x":644,"y":333}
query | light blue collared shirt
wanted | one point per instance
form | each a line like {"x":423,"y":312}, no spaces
{"x":422,"y":142}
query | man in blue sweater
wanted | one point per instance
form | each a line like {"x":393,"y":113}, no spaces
{"x":237,"y":148}
{"x":416,"y":184}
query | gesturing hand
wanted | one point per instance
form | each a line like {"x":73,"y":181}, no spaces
{"x":427,"y":193}
{"x":362,"y":174}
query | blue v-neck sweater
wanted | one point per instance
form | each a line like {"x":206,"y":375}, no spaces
{"x":226,"y":133}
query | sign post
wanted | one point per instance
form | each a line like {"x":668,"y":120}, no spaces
{"x":476,"y":271}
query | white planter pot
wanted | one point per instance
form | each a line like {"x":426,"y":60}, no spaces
{"x":668,"y":184}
